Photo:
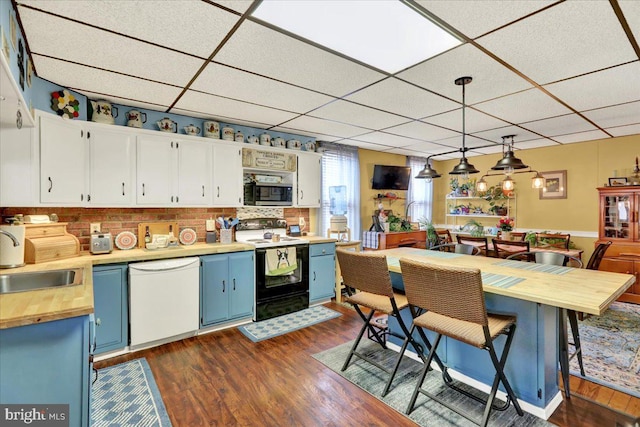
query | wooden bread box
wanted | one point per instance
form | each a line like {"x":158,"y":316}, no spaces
{"x":49,"y":242}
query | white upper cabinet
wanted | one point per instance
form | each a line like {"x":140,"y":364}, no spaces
{"x":172,"y":171}
{"x":62,"y":161}
{"x":156,"y":167}
{"x":309,"y":185}
{"x":227,"y":175}
{"x":18,"y":167}
{"x":112,"y":166}
{"x":194,"y":173}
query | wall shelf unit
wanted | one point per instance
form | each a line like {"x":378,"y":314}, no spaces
{"x":477,"y":209}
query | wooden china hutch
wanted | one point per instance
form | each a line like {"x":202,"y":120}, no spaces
{"x":620,"y":223}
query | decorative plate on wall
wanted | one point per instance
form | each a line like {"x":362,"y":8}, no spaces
{"x":126,"y":240}
{"x":188,"y":236}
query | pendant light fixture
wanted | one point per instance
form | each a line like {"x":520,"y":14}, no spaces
{"x":428,"y":172}
{"x":464,"y":167}
{"x":509,"y":162}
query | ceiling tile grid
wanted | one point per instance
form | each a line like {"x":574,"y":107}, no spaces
{"x":523,"y":107}
{"x":357,"y":115}
{"x":475,"y":121}
{"x":421,"y":130}
{"x":327,"y":127}
{"x":562,"y":125}
{"x":617,"y":115}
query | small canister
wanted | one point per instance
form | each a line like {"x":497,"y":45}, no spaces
{"x":239,"y":137}
{"x":212,"y":237}
{"x":275,"y":237}
{"x":228,"y":134}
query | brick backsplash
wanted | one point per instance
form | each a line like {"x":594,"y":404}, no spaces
{"x":115,"y":220}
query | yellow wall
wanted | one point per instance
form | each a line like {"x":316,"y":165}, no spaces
{"x":588,"y":166}
{"x":368,"y":204}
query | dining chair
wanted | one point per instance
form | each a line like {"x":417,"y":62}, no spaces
{"x":481,"y":242}
{"x":444,"y":236}
{"x":458,"y":248}
{"x":556,"y":258}
{"x":450,"y":302}
{"x":597,"y":255}
{"x":560,"y":241}
{"x":368,"y":274}
{"x":515,"y":235}
{"x":505,"y":248}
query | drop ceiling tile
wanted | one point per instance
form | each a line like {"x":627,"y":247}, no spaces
{"x":232,"y":83}
{"x":402,"y":98}
{"x":104,"y":50}
{"x":519,"y":133}
{"x":475,"y":121}
{"x":106,"y":83}
{"x":365,"y":145}
{"x":625,"y":130}
{"x":607,"y":87}
{"x":301,"y":132}
{"x":405,"y":152}
{"x":239,"y":6}
{"x":618,"y":115}
{"x":488,"y":150}
{"x":174,"y":24}
{"x":420,"y":130}
{"x":631,"y":11}
{"x":428,"y":148}
{"x":523,"y":107}
{"x":563,"y":41}
{"x":477,"y":17}
{"x":563,"y":125}
{"x":324,"y":127}
{"x":215,"y":105}
{"x":386,"y":139}
{"x":470,"y":142}
{"x":534,"y":143}
{"x":357,"y":115}
{"x":490,"y":78}
{"x":220,"y":118}
{"x":581,"y":136}
{"x":264,"y":51}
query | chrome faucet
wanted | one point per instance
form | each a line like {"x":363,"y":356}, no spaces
{"x":12,"y":237}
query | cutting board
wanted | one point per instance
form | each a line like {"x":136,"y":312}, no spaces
{"x":156,"y":228}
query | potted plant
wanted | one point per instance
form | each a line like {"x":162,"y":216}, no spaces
{"x":496,"y":197}
{"x":398,"y":224}
{"x":505,"y":224}
{"x":475,"y":228}
{"x":432,"y":236}
{"x":455,"y":187}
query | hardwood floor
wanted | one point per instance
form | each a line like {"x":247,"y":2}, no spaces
{"x":224,"y":379}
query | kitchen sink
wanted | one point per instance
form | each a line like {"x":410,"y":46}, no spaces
{"x":21,"y":282}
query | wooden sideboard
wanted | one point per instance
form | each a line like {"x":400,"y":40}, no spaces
{"x":619,"y":223}
{"x":397,"y":239}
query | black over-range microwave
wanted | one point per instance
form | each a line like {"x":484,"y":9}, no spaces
{"x":268,"y":194}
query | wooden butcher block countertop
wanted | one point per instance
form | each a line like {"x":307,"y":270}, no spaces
{"x":46,"y":305}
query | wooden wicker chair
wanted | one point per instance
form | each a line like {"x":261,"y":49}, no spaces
{"x":562,"y":241}
{"x":459,"y":248}
{"x":450,"y":301}
{"x":505,"y":248}
{"x":368,"y":273}
{"x":480,"y":242}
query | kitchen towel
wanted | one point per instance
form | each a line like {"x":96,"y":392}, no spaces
{"x":281,"y":261}
{"x":370,"y":239}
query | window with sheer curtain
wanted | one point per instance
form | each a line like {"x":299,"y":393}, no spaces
{"x":340,"y":166}
{"x":420,"y":194}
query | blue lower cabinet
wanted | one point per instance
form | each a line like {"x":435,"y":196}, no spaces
{"x":322,"y":271}
{"x":227,"y":284}
{"x":48,"y":363}
{"x":110,"y":295}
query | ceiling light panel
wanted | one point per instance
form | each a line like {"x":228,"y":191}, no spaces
{"x":523,"y":106}
{"x":321,"y":126}
{"x":563,"y":125}
{"x":261,"y":50}
{"x":174,"y":24}
{"x":369,"y":31}
{"x":612,"y":86}
{"x":563,"y":41}
{"x":480,"y":16}
{"x":107,"y":83}
{"x":618,"y":115}
{"x":625,"y":130}
{"x":420,"y":130}
{"x":232,"y":83}
{"x":217,"y":105}
{"x":475,"y":121}
{"x":490,"y":78}
{"x":357,"y":115}
{"x":402,"y":98}
{"x":105,"y":50}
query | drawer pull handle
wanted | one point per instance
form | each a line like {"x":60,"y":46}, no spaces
{"x":218,"y":187}
{"x":234,"y":283}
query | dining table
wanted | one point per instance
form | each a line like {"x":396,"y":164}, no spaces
{"x":539,"y":295}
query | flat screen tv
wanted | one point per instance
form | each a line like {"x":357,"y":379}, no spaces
{"x":391,"y":177}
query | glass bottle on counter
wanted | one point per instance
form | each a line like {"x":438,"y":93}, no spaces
{"x":147,"y":235}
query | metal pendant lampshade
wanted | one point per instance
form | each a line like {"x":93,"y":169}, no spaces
{"x":428,"y":172}
{"x":509,"y":161}
{"x":464,"y":167}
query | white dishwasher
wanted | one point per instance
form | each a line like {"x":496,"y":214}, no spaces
{"x":164,"y":299}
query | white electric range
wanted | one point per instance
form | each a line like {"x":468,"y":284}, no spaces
{"x":255,"y":232}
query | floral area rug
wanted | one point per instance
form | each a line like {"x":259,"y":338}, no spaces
{"x":611,"y":348}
